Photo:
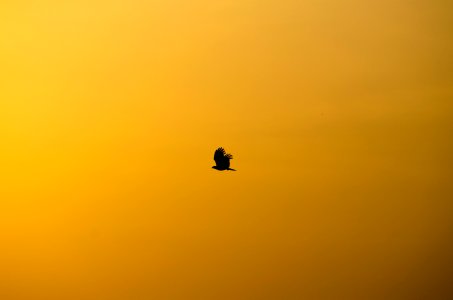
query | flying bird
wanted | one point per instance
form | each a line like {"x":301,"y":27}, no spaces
{"x":222,"y":160}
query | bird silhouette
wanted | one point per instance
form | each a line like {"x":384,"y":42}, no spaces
{"x":222,"y":160}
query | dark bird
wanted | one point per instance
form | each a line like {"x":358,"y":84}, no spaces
{"x":222,"y":160}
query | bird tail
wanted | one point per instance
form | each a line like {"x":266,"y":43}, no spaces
{"x":229,"y":169}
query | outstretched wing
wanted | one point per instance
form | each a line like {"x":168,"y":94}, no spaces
{"x":219,"y":156}
{"x":222,"y":160}
{"x":227,"y":160}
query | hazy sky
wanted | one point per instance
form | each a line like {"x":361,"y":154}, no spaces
{"x":339,"y":115}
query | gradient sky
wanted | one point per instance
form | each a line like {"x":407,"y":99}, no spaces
{"x":339,"y":114}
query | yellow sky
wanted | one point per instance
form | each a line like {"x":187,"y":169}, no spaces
{"x":338,"y":114}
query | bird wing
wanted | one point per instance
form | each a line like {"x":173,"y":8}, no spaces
{"x":219,"y":156}
{"x":226,"y":160}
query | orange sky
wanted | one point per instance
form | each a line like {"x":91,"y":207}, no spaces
{"x":338,"y":114}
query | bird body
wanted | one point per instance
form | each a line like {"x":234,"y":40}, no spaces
{"x":222,"y":160}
